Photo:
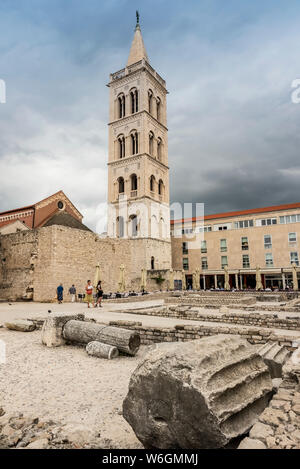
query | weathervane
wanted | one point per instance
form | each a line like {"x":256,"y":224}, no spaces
{"x":137,"y":17}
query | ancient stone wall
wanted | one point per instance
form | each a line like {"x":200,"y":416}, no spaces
{"x":18,"y":252}
{"x":42,"y":259}
{"x":248,"y":319}
{"x":182,"y":333}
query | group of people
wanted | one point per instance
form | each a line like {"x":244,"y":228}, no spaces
{"x":89,"y":297}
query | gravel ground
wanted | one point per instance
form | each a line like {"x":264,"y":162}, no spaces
{"x":67,"y":385}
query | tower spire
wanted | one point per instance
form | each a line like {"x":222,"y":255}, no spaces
{"x":138,"y":50}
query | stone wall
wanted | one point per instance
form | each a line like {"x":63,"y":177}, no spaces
{"x":246,"y":319}
{"x":18,"y":254}
{"x":42,"y":259}
{"x":182,"y":333}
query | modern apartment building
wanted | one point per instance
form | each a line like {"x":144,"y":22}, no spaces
{"x":267,"y":238}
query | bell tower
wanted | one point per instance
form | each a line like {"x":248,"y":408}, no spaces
{"x":138,"y":172}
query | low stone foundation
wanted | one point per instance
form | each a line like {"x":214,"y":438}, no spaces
{"x":248,"y":319}
{"x":182,"y":333}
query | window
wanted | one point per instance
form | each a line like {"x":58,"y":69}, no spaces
{"x":150,"y":96}
{"x":204,"y":229}
{"x":158,"y":107}
{"x":121,"y":141}
{"x":221,"y":228}
{"x":121,"y":185}
{"x":134,"y":143}
{"x":152,"y":263}
{"x":120,"y":227}
{"x":134,"y":225}
{"x":268,"y":241}
{"x":185,"y":249}
{"x":159,"y":145}
{"x":160,"y":187}
{"x":134,"y":97}
{"x":185,"y":263}
{"x":245,"y":245}
{"x":243,"y":224}
{"x":203,"y":247}
{"x":223,"y":245}
{"x":294,"y":258}
{"x":134,"y":182}
{"x":290,"y":219}
{"x":152,"y":182}
{"x":121,"y":106}
{"x":224,"y":262}
{"x":266,"y":222}
{"x":292,"y":238}
{"x":269,"y":259}
{"x":204,"y":263}
{"x":151,"y":140}
{"x":246,"y":262}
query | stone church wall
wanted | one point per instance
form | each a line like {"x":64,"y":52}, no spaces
{"x":17,"y":257}
{"x":39,"y":260}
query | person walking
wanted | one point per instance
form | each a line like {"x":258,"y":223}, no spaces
{"x":72,"y":292}
{"x":89,"y":293}
{"x":99,"y":295}
{"x":60,"y":293}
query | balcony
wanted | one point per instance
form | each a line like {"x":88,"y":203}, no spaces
{"x":133,"y":194}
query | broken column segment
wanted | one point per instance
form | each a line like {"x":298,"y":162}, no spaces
{"x":197,"y":394}
{"x":100,"y":350}
{"x":52,"y":331}
{"x":125,"y":340}
{"x":274,"y":356}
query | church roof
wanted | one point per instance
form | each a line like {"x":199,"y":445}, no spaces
{"x":138,"y":50}
{"x":65,"y":219}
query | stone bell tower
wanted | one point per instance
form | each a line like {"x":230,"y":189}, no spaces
{"x":138,"y":172}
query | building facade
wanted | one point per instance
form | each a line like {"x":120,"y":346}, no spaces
{"x":266,"y":238}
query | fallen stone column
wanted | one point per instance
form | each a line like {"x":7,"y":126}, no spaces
{"x":197,"y":394}
{"x":125,"y":340}
{"x":20,"y":325}
{"x":100,"y":350}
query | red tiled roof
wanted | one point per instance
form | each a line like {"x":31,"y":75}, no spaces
{"x":32,"y":207}
{"x":251,"y":211}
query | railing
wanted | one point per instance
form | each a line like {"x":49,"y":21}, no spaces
{"x":133,"y":193}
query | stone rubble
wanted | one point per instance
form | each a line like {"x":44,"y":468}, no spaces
{"x":22,"y":432}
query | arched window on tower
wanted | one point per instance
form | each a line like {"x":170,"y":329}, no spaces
{"x":134,"y":97}
{"x":152,"y":263}
{"x":121,"y":184}
{"x":134,"y":185}
{"x":134,"y":142}
{"x":121,"y":105}
{"x":152,"y":183}
{"x":159,"y":148}
{"x":160,"y":187}
{"x":158,"y":108}
{"x":151,"y":141}
{"x":120,"y":227}
{"x":134,"y":225}
{"x":121,"y":141}
{"x":150,"y":97}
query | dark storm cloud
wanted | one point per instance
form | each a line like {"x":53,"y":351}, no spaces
{"x":234,"y":132}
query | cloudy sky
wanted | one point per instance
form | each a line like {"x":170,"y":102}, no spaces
{"x":234,"y":134}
